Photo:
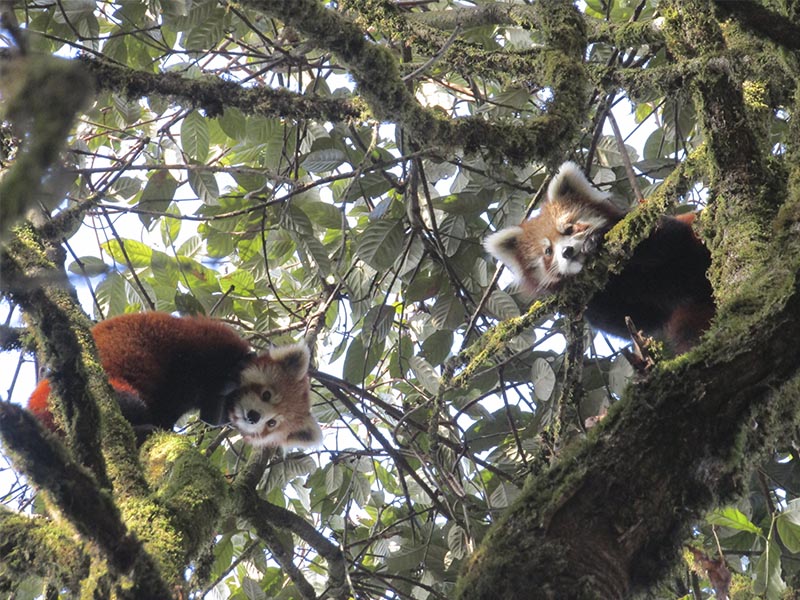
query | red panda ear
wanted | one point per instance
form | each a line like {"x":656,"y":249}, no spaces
{"x":292,"y":359}
{"x":504,"y":246}
{"x":306,"y":435}
{"x":570,"y":181}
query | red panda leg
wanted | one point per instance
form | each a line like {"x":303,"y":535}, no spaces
{"x":130,"y":404}
{"x":686,"y":324}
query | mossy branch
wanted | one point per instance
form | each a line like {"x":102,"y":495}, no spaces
{"x":600,"y":523}
{"x":377,"y":76}
{"x":34,"y":546}
{"x":75,"y":493}
{"x":268,"y":519}
{"x":763,"y":21}
{"x":42,"y":97}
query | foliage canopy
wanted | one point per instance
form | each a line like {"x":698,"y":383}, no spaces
{"x":327,"y":171}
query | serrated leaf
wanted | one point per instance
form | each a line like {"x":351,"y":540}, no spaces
{"x":380,"y":244}
{"x":170,"y":227}
{"x":437,"y":346}
{"x":377,"y":322}
{"x":252,"y":589}
{"x":126,"y":187}
{"x":732,"y":518}
{"x":503,"y":495}
{"x":129,"y":252}
{"x":195,"y":136}
{"x":448,"y":312}
{"x":502,"y":305}
{"x":204,"y":184}
{"x":313,"y":247}
{"x":112,"y":294}
{"x":233,"y":123}
{"x":452,"y":230}
{"x":358,"y":362}
{"x":323,"y":214}
{"x":323,"y":161}
{"x":789,"y":532}
{"x":157,"y":195}
{"x":334,"y":477}
{"x":90,"y":266}
{"x":425,"y":373}
{"x":458,"y":542}
{"x":207,"y":33}
{"x":242,"y":281}
{"x":768,"y":579}
{"x":543,"y":378}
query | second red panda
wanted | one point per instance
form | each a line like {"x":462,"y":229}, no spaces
{"x":663,"y":288}
{"x":162,"y":367}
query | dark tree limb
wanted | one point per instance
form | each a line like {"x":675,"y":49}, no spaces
{"x":75,"y":493}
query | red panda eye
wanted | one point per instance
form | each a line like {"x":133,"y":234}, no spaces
{"x":568,"y":229}
{"x":271,"y":423}
{"x":548,"y":251}
{"x":266,"y":395}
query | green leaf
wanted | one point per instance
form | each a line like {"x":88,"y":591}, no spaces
{"x":377,"y":322}
{"x":452,"y":230}
{"x":502,"y":306}
{"x":207,"y":33}
{"x":458,"y":542}
{"x":358,"y":362}
{"x":157,"y":195}
{"x":437,"y":346}
{"x":768,"y":579}
{"x":129,"y":252}
{"x":448,"y":312}
{"x":425,"y":373}
{"x":503,"y":495}
{"x":89,"y":266}
{"x":170,"y":227}
{"x":323,"y":161}
{"x":112,"y":294}
{"x":204,"y":184}
{"x":788,"y":524}
{"x":323,"y":214}
{"x":543,"y":378}
{"x":195,"y":136}
{"x":126,"y":187}
{"x":381,"y":244}
{"x":734,"y":519}
{"x":620,"y":375}
{"x":233,"y":123}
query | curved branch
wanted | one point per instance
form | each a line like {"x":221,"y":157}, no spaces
{"x":764,"y":22}
{"x":77,"y":496}
{"x":377,"y":76}
{"x":213,"y":95}
{"x":34,"y":546}
{"x":265,"y":517}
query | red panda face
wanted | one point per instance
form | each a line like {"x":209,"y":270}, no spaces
{"x":555,"y":244}
{"x":272,"y":406}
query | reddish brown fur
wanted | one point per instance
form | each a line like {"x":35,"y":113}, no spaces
{"x":164,"y":366}
{"x":663,"y":288}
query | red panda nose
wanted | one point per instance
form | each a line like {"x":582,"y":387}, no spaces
{"x":568,"y":252}
{"x":253,"y":416}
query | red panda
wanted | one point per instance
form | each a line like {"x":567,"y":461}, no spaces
{"x":663,"y":288}
{"x":162,"y":367}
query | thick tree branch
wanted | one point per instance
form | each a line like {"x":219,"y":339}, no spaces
{"x":763,"y":21}
{"x":213,"y":95}
{"x":378,"y":79}
{"x":76,"y":494}
{"x":33,"y":546}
